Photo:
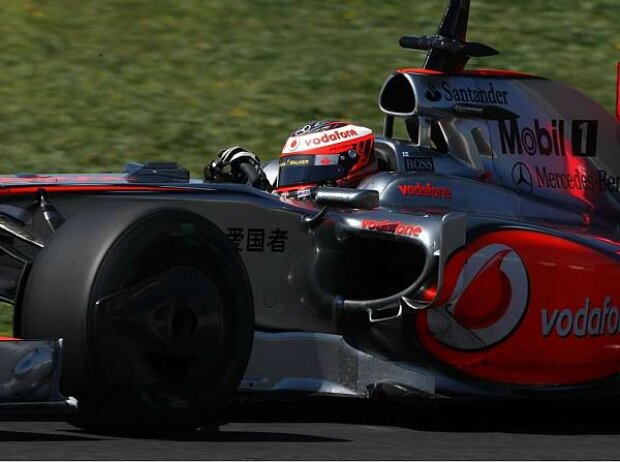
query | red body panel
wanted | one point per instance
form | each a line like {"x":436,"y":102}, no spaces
{"x":566,"y":328}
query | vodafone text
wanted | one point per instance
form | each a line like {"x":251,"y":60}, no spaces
{"x":427,"y":190}
{"x":326,"y":138}
{"x":394,"y":227}
{"x":587,"y":321}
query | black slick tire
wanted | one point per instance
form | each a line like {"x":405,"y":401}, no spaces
{"x":155,"y":309}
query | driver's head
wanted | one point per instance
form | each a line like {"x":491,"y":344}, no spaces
{"x":326,"y":153}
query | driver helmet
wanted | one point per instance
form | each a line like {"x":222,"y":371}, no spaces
{"x":326,"y":153}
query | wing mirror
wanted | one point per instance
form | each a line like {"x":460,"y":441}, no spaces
{"x":365,"y":199}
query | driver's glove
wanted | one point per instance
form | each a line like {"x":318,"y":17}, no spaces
{"x":237,"y":165}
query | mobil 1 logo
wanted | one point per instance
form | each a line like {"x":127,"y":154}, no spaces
{"x":584,"y":137}
{"x":549,"y":137}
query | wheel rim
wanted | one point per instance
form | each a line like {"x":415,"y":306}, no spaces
{"x":167,"y":330}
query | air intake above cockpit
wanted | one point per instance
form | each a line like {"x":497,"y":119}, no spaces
{"x":398,"y":96}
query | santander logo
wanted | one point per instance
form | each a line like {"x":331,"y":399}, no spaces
{"x":488,"y":302}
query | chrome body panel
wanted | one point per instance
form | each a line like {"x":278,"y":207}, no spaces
{"x":322,"y":364}
{"x":29,"y":380}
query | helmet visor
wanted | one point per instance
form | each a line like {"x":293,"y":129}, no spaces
{"x":309,"y":169}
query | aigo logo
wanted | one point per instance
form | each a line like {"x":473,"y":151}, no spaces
{"x":489,"y":300}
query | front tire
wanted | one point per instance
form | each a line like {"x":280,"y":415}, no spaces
{"x":155,"y":309}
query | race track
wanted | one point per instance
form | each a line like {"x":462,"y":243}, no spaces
{"x":348,"y":431}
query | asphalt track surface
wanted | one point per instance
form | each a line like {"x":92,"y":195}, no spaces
{"x":336,"y":430}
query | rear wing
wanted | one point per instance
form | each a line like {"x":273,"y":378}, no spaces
{"x":448,"y":50}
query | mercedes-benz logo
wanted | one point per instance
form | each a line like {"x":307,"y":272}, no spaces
{"x":522,"y":177}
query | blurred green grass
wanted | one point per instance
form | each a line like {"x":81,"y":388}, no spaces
{"x":6,"y":319}
{"x":89,"y":85}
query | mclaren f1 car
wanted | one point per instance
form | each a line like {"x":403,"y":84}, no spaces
{"x":482,"y":262}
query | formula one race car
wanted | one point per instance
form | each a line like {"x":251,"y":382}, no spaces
{"x":483,"y":262}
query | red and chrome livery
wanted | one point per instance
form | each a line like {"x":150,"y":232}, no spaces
{"x":528,"y":308}
{"x":481,"y":261}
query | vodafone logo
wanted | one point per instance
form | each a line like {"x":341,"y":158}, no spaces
{"x":322,"y":139}
{"x":337,"y":135}
{"x":489,"y":301}
{"x":428,"y":190}
{"x":393,"y":227}
{"x":293,"y":145}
